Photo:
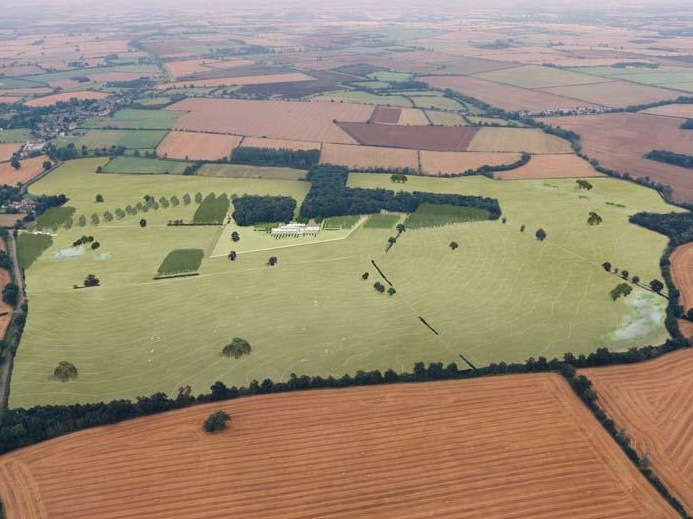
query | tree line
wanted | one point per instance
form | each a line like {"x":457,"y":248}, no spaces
{"x":269,"y":157}
{"x":329,"y":196}
{"x":669,"y":157}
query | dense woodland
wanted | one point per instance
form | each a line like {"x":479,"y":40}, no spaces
{"x":299,"y":159}
{"x":669,"y":157}
{"x":329,"y":196}
{"x":251,"y":209}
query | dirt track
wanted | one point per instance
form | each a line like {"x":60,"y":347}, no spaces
{"x":510,"y":447}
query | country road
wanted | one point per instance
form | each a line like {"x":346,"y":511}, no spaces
{"x":9,"y":355}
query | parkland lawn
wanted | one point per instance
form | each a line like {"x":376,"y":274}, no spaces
{"x":501,"y":296}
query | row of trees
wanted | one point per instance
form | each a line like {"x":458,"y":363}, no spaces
{"x":329,"y":196}
{"x":299,"y":159}
{"x":669,"y":157}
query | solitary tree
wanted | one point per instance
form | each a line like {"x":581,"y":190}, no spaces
{"x":15,"y":162}
{"x":95,"y":219}
{"x":232,"y":255}
{"x":625,"y":274}
{"x":392,"y":240}
{"x":636,"y":280}
{"x":95,"y":245}
{"x":540,"y":234}
{"x":10,"y":294}
{"x":272,"y":261}
{"x":65,"y":371}
{"x":400,"y":228}
{"x":454,"y":245}
{"x":198,"y":198}
{"x":365,"y":275}
{"x":186,"y":199}
{"x":606,"y":266}
{"x":583,"y":184}
{"x":143,"y":223}
{"x":656,"y":285}
{"x":99,"y":198}
{"x":235,"y":236}
{"x":82,"y":221}
{"x":237,"y":348}
{"x":108,"y":216}
{"x":91,"y":280}
{"x":594,"y":219}
{"x":47,"y":165}
{"x":174,"y":201}
{"x":391,"y":291}
{"x":379,"y":286}
{"x":522,"y":228}
{"x":504,"y":220}
{"x":216,"y":422}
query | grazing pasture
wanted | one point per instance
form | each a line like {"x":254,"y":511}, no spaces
{"x":382,"y":221}
{"x":620,"y":140}
{"x":65,"y":97}
{"x":651,"y":401}
{"x":484,"y":472}
{"x":562,"y":165}
{"x":453,"y":162}
{"x":244,"y":171}
{"x":430,"y":215}
{"x":273,"y":119}
{"x":369,"y":157}
{"x":435,"y":138}
{"x":280,"y":310}
{"x":11,"y":136}
{"x":181,"y":261}
{"x":131,"y":139}
{"x":197,"y":146}
{"x":517,"y":140}
{"x":132,"y":119}
{"x":143,"y":166}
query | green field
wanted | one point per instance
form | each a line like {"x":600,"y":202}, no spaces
{"x":442,"y":103}
{"x":55,"y":216}
{"x":133,"y":119}
{"x":7,"y":136}
{"x":181,"y":261}
{"x":429,"y":215}
{"x":382,"y":221}
{"x":139,"y":165}
{"x":501,"y":296}
{"x":30,"y":246}
{"x":131,"y":139}
{"x":340,"y":222}
{"x":390,"y":76}
{"x":243,"y":171}
{"x":212,"y":210}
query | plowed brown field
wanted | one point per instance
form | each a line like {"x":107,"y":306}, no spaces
{"x":551,"y":166}
{"x":451,"y":162}
{"x":273,"y":119}
{"x":529,"y":140}
{"x":682,"y":273}
{"x":385,"y":115}
{"x":28,"y":170}
{"x":436,"y":138}
{"x":652,"y":401}
{"x":510,"y":447}
{"x":368,"y":157}
{"x":197,"y":146}
{"x":620,"y":140}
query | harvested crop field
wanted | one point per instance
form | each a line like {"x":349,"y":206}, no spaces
{"x":385,"y":115}
{"x":504,"y":96}
{"x":551,"y":166}
{"x":7,"y":150}
{"x":454,"y":162}
{"x":65,"y":97}
{"x":369,"y":157}
{"x":243,"y":171}
{"x":273,"y":119}
{"x":413,"y":117}
{"x":279,"y":144}
{"x":682,"y":273}
{"x":652,"y":401}
{"x":437,"y":138}
{"x":364,"y":459}
{"x":682,"y":111}
{"x":197,"y":146}
{"x":614,"y":93}
{"x":29,"y":169}
{"x":620,"y":140}
{"x":291,"y":77}
{"x":529,"y":140}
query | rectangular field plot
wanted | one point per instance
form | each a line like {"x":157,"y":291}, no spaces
{"x":279,"y":144}
{"x":431,"y":215}
{"x":243,"y":171}
{"x":415,"y":137}
{"x":142,"y":166}
{"x":551,"y":166}
{"x":197,"y":146}
{"x":21,"y":135}
{"x":534,"y":76}
{"x":273,"y":119}
{"x":479,"y":433}
{"x":614,"y":94}
{"x":359,"y":96}
{"x":382,"y":221}
{"x":212,"y":210}
{"x":131,"y":139}
{"x":445,"y":118}
{"x":651,"y":401}
{"x":369,"y":157}
{"x":517,"y":140}
{"x":181,"y":261}
{"x":455,"y":163}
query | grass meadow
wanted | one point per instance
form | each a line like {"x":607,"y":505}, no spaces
{"x":501,"y":296}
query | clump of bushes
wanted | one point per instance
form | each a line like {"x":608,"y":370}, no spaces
{"x":65,"y":371}
{"x":237,"y":348}
{"x":216,"y":422}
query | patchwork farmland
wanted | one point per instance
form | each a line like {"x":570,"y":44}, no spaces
{"x":356,"y":430}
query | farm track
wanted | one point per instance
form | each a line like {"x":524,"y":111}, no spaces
{"x":652,"y":401}
{"x":406,"y":451}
